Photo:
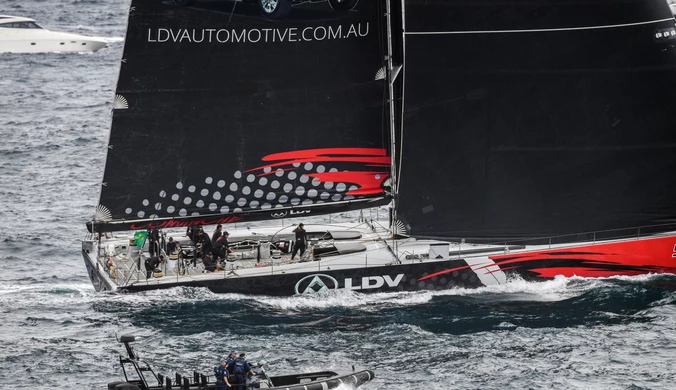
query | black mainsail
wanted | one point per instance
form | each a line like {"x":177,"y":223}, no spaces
{"x":221,"y":115}
{"x":532,"y":119}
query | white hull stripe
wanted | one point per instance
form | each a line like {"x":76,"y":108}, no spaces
{"x":537,"y":29}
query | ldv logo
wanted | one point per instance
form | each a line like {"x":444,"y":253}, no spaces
{"x":370,"y":282}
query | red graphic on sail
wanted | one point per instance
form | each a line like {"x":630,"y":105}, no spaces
{"x":366,"y":168}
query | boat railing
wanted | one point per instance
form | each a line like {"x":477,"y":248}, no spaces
{"x":595,"y":237}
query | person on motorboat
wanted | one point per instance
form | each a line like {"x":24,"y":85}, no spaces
{"x":240,"y":367}
{"x":222,"y":376}
{"x":301,"y":240}
{"x":151,"y":263}
{"x":232,"y":356}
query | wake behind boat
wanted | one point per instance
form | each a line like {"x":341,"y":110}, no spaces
{"x":509,"y":138}
{"x":24,"y":35}
{"x":139,"y":375}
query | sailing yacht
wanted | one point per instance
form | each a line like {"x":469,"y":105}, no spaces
{"x":504,"y":140}
{"x":24,"y":35}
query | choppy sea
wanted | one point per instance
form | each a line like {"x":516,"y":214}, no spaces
{"x":56,"y":332}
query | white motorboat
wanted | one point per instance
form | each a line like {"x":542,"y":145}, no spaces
{"x":24,"y":35}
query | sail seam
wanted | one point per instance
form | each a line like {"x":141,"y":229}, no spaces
{"x":538,"y":29}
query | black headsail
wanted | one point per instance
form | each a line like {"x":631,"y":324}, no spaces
{"x":223,"y":116}
{"x":537,"y":118}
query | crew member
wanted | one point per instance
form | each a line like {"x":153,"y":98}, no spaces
{"x":217,"y":233}
{"x":301,"y":239}
{"x":172,"y":246}
{"x":154,"y":242}
{"x":222,"y":375}
{"x":152,"y":263}
{"x":239,"y":367}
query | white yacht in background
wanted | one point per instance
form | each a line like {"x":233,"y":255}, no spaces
{"x":24,"y":35}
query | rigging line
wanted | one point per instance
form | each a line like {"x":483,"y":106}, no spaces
{"x":540,"y":29}
{"x":403,"y":90}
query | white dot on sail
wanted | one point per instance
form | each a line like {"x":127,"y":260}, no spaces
{"x":279,"y":206}
{"x":300,"y":190}
{"x":246,"y":190}
{"x":238,"y":175}
{"x":283,"y":199}
{"x":324,"y":195}
{"x":179,"y":185}
{"x":336,"y":197}
{"x":279,"y":172}
{"x":259,"y":193}
{"x":263,"y":181}
{"x":241,"y":202}
{"x":288,"y":187}
{"x":250,"y":178}
{"x":192,"y":188}
{"x":153,"y":216}
{"x":328,"y":185}
{"x":316,"y":182}
{"x":208,"y":180}
{"x":145,"y":202}
{"x":182,"y":212}
{"x":163,"y":194}
{"x":340,"y":187}
{"x":353,"y":188}
{"x":128,"y":211}
{"x":237,"y":210}
{"x":253,"y":204}
{"x":233,"y":186}
{"x":271,"y":196}
{"x":204,"y":192}
{"x":187,"y":200}
{"x":292,"y":175}
{"x":174,"y":197}
{"x":216,"y":195}
{"x":307,"y":202}
{"x":267,"y":169}
{"x":295,"y":201}
{"x":274,"y":184}
{"x":304,"y":178}
{"x":308,"y":166}
{"x":333,"y":170}
{"x":221,"y":183}
{"x":171,"y":209}
{"x":225,"y":209}
{"x":141,"y":214}
{"x":311,"y":193}
{"x":296,"y":165}
{"x":200,"y":203}
{"x":266,"y":206}
{"x":213,"y":206}
{"x":320,"y":168}
{"x":158,"y":206}
{"x":229,"y":198}
{"x":348,"y":197}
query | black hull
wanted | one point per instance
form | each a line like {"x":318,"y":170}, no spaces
{"x":403,"y":277}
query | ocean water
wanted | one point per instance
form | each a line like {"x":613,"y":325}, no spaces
{"x":56,"y":332}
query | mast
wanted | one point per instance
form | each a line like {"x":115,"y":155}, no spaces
{"x":392,"y":73}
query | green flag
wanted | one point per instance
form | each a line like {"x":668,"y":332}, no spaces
{"x":140,"y":237}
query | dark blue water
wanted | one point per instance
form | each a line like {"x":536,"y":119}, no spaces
{"x":57,"y":333}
